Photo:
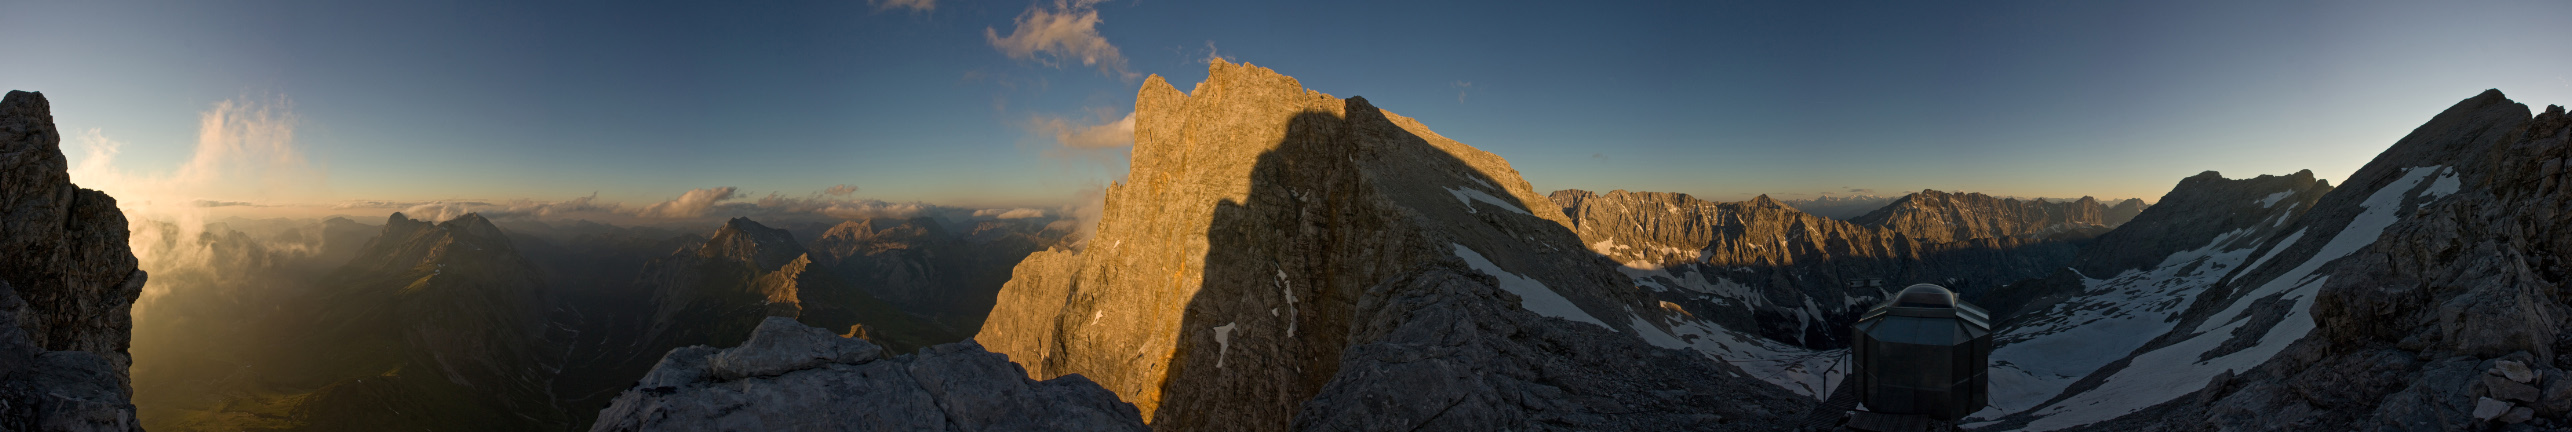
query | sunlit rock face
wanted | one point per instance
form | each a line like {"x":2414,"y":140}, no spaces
{"x":67,"y":282}
{"x":788,"y":376}
{"x":1281,"y":258}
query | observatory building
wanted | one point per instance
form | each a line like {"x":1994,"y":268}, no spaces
{"x":1923,"y":353}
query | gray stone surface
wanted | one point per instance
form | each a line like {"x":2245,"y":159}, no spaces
{"x":2504,"y":389}
{"x":2488,"y":408}
{"x":2514,"y":370}
{"x":776,"y":347}
{"x":792,"y":377}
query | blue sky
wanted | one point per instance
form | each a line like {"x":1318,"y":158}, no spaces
{"x":641,"y":102}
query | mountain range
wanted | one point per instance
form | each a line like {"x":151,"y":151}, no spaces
{"x":1280,"y":258}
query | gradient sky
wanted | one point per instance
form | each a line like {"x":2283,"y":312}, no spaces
{"x":639,"y":102}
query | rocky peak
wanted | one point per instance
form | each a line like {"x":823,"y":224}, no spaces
{"x":69,"y":280}
{"x":1265,"y":254}
{"x":408,"y":242}
{"x":742,"y":239}
{"x":2124,"y":211}
{"x":1945,"y":217}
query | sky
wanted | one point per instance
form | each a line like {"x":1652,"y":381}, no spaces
{"x":666,"y":107}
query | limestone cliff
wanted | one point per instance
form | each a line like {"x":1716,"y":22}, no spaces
{"x":67,"y":284}
{"x":1276,"y":250}
{"x":1761,"y":267}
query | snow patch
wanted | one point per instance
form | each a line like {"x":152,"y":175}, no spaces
{"x":1469,"y":195}
{"x":2112,"y":317}
{"x":1804,"y":371}
{"x":1532,"y":295}
{"x":1223,"y":340}
{"x":2446,"y":184}
{"x":2271,"y":200}
{"x":2272,"y":253}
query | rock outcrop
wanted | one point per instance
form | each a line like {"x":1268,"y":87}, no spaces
{"x":67,"y":285}
{"x":1278,"y":253}
{"x":788,"y":376}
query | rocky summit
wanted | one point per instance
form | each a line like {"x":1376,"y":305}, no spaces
{"x":1282,"y":258}
{"x":67,"y":282}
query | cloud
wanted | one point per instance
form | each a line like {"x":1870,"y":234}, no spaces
{"x":1599,"y":156}
{"x":1863,"y":191}
{"x":1213,"y":55}
{"x":688,"y":205}
{"x":1016,"y":213}
{"x":914,"y":5}
{"x":1084,"y":214}
{"x":245,"y":152}
{"x":840,"y":190}
{"x":1119,"y":133}
{"x":1069,"y":30}
{"x":1461,"y":88}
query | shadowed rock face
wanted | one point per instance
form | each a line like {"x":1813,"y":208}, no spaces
{"x":67,"y":280}
{"x":1277,"y":252}
{"x":2125,"y":211}
{"x":787,"y":376}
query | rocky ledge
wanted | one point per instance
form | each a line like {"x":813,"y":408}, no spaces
{"x":789,"y":376}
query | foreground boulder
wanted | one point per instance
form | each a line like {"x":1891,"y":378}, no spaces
{"x":789,"y":376}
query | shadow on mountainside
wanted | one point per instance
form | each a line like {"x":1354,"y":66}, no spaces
{"x":1318,"y":311}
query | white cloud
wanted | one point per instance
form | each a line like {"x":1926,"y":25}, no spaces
{"x":688,"y":205}
{"x":840,"y":190}
{"x":1016,"y":213}
{"x":913,"y":5}
{"x":1119,"y":133}
{"x":1068,"y":30}
{"x":245,"y":155}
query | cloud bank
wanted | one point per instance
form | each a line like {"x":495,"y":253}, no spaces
{"x":1115,"y":134}
{"x":916,"y":6}
{"x":688,"y":205}
{"x":1068,"y":30}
